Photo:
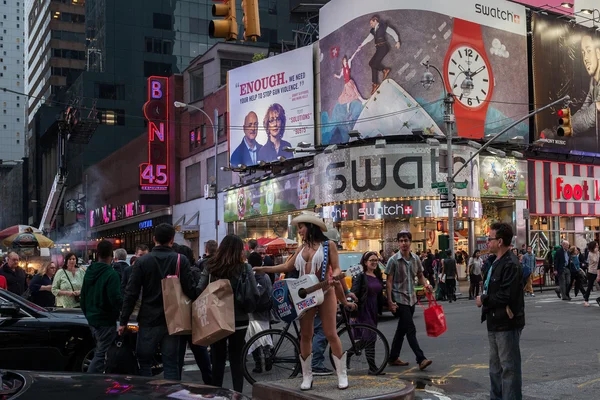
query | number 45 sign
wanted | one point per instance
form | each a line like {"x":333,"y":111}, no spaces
{"x":154,"y":175}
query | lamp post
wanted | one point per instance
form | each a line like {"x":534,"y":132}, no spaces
{"x":179,"y":104}
{"x":449,"y":118}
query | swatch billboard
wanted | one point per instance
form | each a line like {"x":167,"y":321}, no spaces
{"x":371,"y":72}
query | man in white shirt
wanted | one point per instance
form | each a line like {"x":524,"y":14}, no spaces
{"x":378,"y":33}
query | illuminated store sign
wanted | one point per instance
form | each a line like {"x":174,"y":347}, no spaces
{"x":154,"y":175}
{"x":107,"y":213}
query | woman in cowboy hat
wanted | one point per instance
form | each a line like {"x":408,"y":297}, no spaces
{"x":308,"y":259}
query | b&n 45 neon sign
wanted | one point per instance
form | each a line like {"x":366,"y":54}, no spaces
{"x":154,"y":175}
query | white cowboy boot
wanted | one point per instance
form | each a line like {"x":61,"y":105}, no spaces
{"x":307,"y":375}
{"x":341,"y":369}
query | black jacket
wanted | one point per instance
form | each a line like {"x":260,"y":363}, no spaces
{"x":450,"y":268}
{"x":505,"y":289}
{"x":42,"y":298}
{"x":147,"y":275}
{"x":120,"y":266}
{"x":16,"y":281}
{"x":125,"y":279}
{"x":559,"y":260}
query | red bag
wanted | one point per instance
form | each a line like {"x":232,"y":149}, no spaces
{"x":435,"y":320}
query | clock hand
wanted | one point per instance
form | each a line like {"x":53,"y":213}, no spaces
{"x":461,"y":68}
{"x":478,"y":71}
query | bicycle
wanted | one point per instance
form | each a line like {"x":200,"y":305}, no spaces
{"x":367,"y":348}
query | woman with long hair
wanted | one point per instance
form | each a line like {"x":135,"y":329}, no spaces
{"x":592,"y":272}
{"x":308,"y":259}
{"x":228,"y":263}
{"x":67,"y":283}
{"x":575,"y":267}
{"x":368,"y":288}
{"x":41,"y":285}
{"x":475,"y":278}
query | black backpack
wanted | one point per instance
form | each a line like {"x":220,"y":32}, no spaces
{"x":246,"y":294}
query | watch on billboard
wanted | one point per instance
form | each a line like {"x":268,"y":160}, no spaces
{"x":371,"y":56}
{"x":154,"y":174}
{"x":271,"y":107}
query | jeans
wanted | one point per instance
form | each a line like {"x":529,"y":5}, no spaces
{"x":578,"y":286}
{"x":200,"y":355}
{"x":232,"y":345}
{"x":529,"y":284}
{"x":451,"y":288}
{"x":319,"y":344}
{"x":565,"y":282}
{"x":104,"y":336}
{"x":406,"y":327}
{"x":591,"y":278}
{"x":474,"y":283}
{"x":148,"y":341}
{"x":505,"y":365}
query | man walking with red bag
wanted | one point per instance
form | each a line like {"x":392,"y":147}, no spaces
{"x":401,"y":270}
{"x":504,"y":311}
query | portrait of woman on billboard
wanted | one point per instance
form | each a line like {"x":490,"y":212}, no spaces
{"x":274,"y":124}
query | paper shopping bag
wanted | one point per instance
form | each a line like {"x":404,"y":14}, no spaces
{"x":177,"y":306}
{"x":213,"y":313}
{"x":435,"y":320}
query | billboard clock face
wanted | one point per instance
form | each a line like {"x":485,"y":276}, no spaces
{"x":465,"y":59}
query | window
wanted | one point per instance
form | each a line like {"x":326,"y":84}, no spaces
{"x":193,"y":189}
{"x":18,"y":141}
{"x":158,"y":46}
{"x":197,"y":85}
{"x":111,"y":117}
{"x":198,"y":26}
{"x":110,"y":92}
{"x":70,"y":54}
{"x":162,"y":21}
{"x":157,"y":69}
{"x":221,"y":126}
{"x":227,"y":65}
{"x":203,"y":135}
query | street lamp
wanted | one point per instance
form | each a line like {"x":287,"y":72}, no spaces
{"x":449,"y":118}
{"x":179,"y":104}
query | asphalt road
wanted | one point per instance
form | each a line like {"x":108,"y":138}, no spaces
{"x":560,"y":350}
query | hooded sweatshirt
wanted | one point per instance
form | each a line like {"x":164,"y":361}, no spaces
{"x":101,"y":298}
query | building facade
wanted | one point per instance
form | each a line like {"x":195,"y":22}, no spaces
{"x":12,"y":100}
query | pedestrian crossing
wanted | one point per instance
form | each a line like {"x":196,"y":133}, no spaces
{"x":189,"y":362}
{"x":551,"y":297}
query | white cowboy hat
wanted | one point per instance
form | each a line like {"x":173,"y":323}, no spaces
{"x":310,"y":217}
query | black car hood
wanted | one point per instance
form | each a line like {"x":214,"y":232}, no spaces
{"x":51,"y":386}
{"x":71,"y":313}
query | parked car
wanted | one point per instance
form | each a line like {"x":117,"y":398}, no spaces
{"x":41,"y":339}
{"x":59,"y":386}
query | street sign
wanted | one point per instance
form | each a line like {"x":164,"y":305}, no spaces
{"x":443,"y":190}
{"x":436,"y":185}
{"x":460,"y":185}
{"x":444,"y":197}
{"x":448,"y":204}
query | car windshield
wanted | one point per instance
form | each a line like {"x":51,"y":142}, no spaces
{"x":348,"y":260}
{"x":25,"y":302}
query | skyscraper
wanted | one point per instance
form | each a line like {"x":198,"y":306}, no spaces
{"x":12,"y":104}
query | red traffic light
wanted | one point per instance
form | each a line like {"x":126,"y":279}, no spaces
{"x":561,"y":113}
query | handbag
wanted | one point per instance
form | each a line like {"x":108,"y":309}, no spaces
{"x":246,"y":294}
{"x":213,"y":316}
{"x":435,"y":319}
{"x":77,"y":297}
{"x":121,"y":357}
{"x":177,"y":306}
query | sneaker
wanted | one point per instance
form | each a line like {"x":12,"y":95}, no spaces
{"x":424,"y":364}
{"x":598,"y":301}
{"x":322,"y":371}
{"x":532,"y":295}
{"x":586,"y":304}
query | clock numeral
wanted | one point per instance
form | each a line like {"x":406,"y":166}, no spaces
{"x":469,"y":52}
{"x":470,"y":101}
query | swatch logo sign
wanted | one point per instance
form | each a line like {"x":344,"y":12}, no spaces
{"x":498,"y":13}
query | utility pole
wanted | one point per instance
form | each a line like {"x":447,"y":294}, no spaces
{"x":215,"y":131}
{"x":449,"y":119}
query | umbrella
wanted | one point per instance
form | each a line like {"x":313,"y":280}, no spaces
{"x":17,"y":229}
{"x":281,"y":242}
{"x":28,"y":239}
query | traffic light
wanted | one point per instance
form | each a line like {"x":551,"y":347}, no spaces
{"x":564,"y":122}
{"x":225,"y":28}
{"x":251,"y":20}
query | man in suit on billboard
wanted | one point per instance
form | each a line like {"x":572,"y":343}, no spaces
{"x":585,"y":118}
{"x":246,"y":153}
{"x":378,"y":33}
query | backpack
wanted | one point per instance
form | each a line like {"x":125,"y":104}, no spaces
{"x":265,"y":301}
{"x":246,"y":294}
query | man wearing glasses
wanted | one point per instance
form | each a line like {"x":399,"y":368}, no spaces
{"x":401,"y":270}
{"x":504,"y":311}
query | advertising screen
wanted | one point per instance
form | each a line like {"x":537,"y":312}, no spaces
{"x":566,"y":60}
{"x":271,"y":107}
{"x":371,"y":72}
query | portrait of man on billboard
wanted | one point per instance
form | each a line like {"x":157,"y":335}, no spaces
{"x":585,"y":118}
{"x":247,"y":151}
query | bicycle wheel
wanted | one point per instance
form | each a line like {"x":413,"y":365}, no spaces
{"x":271,"y":355}
{"x":366,"y":347}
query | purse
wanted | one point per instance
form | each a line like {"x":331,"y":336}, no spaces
{"x":246,"y":295}
{"x":72,"y":288}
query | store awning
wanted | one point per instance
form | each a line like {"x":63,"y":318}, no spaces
{"x":133,"y":220}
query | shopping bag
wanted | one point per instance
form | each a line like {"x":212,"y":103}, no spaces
{"x":213,"y":313}
{"x":435,"y":320}
{"x":177,"y":306}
